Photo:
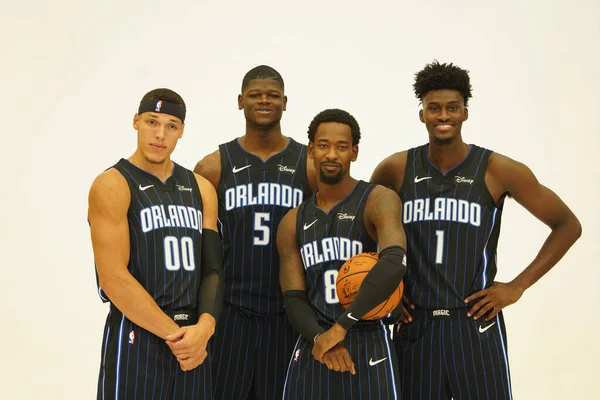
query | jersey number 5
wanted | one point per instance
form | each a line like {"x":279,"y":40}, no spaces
{"x":263,"y":230}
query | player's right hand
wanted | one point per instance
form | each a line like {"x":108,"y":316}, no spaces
{"x":406,"y":317}
{"x":189,"y":343}
{"x":338,"y":359}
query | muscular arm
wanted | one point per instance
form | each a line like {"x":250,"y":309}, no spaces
{"x":210,"y":168}
{"x":383,"y":221}
{"x":189,"y":342}
{"x":517,"y":179}
{"x":390,"y":172}
{"x":506,"y":176}
{"x":293,"y":281}
{"x":109,"y":199}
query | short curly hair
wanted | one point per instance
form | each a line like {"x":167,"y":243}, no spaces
{"x":335,"y":115}
{"x":436,"y":76}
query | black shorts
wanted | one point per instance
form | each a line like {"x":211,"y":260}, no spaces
{"x":250,"y":355}
{"x":137,"y":364}
{"x":375,"y":362}
{"x":449,"y":355}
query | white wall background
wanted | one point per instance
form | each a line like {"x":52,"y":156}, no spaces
{"x":72,"y":74}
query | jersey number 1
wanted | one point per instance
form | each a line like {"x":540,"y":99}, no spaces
{"x":439,"y":247}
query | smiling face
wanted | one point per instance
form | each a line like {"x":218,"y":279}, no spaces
{"x":157,"y":135}
{"x":263,"y":102}
{"x":443,"y":113}
{"x":332,"y":151}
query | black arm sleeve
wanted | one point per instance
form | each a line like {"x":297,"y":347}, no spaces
{"x":301,"y":315}
{"x":210,"y":295}
{"x":378,"y":285}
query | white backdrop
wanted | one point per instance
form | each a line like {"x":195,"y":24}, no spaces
{"x":74,"y":72}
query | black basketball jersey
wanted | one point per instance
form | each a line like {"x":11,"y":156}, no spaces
{"x":165,"y":235}
{"x":254,"y":195}
{"x":326,"y":241}
{"x":452,"y":226}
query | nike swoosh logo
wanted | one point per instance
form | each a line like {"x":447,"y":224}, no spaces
{"x":236,"y":170}
{"x":373,"y":363}
{"x":142,"y":188}
{"x":311,"y":224}
{"x":351,"y":317}
{"x":482,"y":329}
{"x":417,"y":179}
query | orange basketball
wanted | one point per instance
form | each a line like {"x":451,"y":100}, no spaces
{"x":350,"y":278}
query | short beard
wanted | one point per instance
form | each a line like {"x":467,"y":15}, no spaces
{"x":330,"y":179}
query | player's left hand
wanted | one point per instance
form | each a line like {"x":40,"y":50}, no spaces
{"x":189,"y":343}
{"x":327,"y":341}
{"x":493,"y":299}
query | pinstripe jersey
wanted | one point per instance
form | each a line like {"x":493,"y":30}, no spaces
{"x":452,"y":226}
{"x":326,"y":241}
{"x":165,"y":234}
{"x":254,"y":195}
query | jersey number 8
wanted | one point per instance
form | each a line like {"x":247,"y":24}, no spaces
{"x":330,"y":277}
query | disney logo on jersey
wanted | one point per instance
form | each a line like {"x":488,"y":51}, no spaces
{"x":343,"y":216}
{"x":464,"y":179}
{"x":183,"y":188}
{"x":329,"y":249}
{"x":285,"y":168}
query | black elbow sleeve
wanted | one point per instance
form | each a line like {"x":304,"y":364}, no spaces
{"x":210,"y":296}
{"x":301,"y":315}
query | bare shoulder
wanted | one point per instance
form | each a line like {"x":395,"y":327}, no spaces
{"x":210,"y":167}
{"x":506,"y":170}
{"x":499,"y":163}
{"x":383,"y":217}
{"x":289,"y":219}
{"x":382,"y":198}
{"x":390,"y":171}
{"x":208,"y":194}
{"x":204,"y":184}
{"x":109,"y":191}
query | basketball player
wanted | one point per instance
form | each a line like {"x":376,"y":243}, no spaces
{"x":343,"y":218}
{"x":158,"y":262}
{"x":452,"y":195}
{"x":258,"y":177}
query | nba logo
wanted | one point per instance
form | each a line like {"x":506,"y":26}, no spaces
{"x":131,"y":337}
{"x":297,"y":356}
{"x":158,"y":105}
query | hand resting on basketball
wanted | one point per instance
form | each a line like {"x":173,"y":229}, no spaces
{"x":494,"y":299}
{"x":188,"y":344}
